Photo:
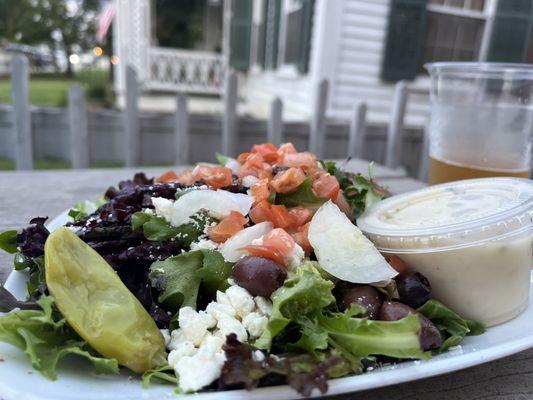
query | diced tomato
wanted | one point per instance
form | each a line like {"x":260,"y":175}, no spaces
{"x":265,"y":252}
{"x":169,"y":176}
{"x":264,"y":173}
{"x":280,"y":216}
{"x":326,"y":186}
{"x":302,"y":160}
{"x":300,"y":215}
{"x":261,"y":212}
{"x":280,"y":240}
{"x":398,"y":264}
{"x":254,"y":160}
{"x":287,"y":148}
{"x":242,"y":157}
{"x":215,"y":176}
{"x":267,"y":150}
{"x":343,"y":205}
{"x":228,"y":227}
{"x":185,"y":177}
{"x":260,"y":191}
{"x":301,"y":237}
{"x":287,"y":181}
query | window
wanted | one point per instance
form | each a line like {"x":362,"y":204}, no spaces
{"x":455,"y":30}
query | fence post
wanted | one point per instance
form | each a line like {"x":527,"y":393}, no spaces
{"x":79,"y":134}
{"x":395,"y":129}
{"x":317,"y":131}
{"x":131,"y":123}
{"x":181,"y":132}
{"x":275,"y":122}
{"x":229,"y":118}
{"x":22,"y":113}
{"x":357,"y":131}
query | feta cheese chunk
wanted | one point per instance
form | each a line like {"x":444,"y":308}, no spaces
{"x":255,"y":324}
{"x":241,"y":300}
{"x":216,"y":310}
{"x":264,"y":305}
{"x":194,"y":324}
{"x":227,"y":324}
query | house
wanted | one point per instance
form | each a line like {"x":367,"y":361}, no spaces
{"x":284,"y":48}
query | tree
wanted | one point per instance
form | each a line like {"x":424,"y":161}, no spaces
{"x":65,"y":24}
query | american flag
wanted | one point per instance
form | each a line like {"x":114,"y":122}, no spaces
{"x":104,"y":21}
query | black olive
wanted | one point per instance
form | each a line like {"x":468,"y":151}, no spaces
{"x":414,"y":289}
{"x":429,"y":335}
{"x":364,"y":296}
{"x":260,"y":276}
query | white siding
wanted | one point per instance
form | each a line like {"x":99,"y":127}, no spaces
{"x":358,"y":65}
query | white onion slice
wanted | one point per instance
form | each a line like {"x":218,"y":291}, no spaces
{"x":230,"y":250}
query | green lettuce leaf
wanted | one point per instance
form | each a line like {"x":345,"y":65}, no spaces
{"x":452,"y":327}
{"x":85,"y":208}
{"x":179,"y":278}
{"x":164,"y":374}
{"x":303,"y":196}
{"x":8,"y":241}
{"x":158,"y":229}
{"x":304,"y":293}
{"x":46,"y":339}
{"x":221,"y":158}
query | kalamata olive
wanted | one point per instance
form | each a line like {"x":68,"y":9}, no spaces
{"x":414,"y":289}
{"x":429,"y":335}
{"x":260,"y":276}
{"x":365,"y":296}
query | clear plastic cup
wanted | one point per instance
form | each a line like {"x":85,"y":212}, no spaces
{"x":481,"y":121}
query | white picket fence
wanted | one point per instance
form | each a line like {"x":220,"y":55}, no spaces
{"x":78,"y":123}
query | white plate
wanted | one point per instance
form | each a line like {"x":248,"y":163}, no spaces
{"x":76,"y":381}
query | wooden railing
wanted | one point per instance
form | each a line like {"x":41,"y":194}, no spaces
{"x":184,"y":71}
{"x":315,"y":134}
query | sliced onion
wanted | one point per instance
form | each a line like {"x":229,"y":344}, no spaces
{"x":230,"y":250}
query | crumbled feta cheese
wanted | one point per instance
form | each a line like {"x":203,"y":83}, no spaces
{"x":264,"y":305}
{"x":258,"y":356}
{"x":222,"y":298}
{"x":164,"y":208}
{"x":241,"y":300}
{"x":227,"y":324}
{"x":250,"y":180}
{"x":166,"y":336}
{"x":199,"y":370}
{"x":204,"y":244}
{"x":185,"y":349}
{"x":295,"y":257}
{"x":217,"y":309}
{"x":255,"y":324}
{"x":176,"y":338}
{"x":194,"y":324}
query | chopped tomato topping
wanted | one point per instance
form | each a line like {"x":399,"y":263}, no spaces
{"x":301,"y":237}
{"x":228,"y":227}
{"x":242,"y":157}
{"x":280,"y":240}
{"x":260,"y":191}
{"x":280,"y":216}
{"x":261,"y":212}
{"x":268,"y":151}
{"x":287,"y":148}
{"x":304,"y":159}
{"x":300,"y":215}
{"x":326,"y":186}
{"x":215,"y":176}
{"x":398,"y":264}
{"x":287,"y":181}
{"x":254,"y":160}
{"x":265,"y":252}
{"x":169,"y":176}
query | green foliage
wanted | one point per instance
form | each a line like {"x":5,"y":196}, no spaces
{"x":164,"y":374}
{"x":8,"y":241}
{"x":303,"y":196}
{"x":46,"y":339}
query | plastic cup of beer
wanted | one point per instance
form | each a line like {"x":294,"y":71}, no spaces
{"x":481,"y":122}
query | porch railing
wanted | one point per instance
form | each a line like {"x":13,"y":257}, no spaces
{"x":185,"y":71}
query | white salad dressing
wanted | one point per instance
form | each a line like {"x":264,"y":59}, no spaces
{"x":473,"y":240}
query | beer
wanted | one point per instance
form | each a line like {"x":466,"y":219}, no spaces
{"x":442,"y":171}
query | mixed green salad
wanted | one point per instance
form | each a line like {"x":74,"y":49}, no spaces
{"x":245,"y":274}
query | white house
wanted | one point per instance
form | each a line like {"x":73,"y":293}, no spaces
{"x":285,"y":48}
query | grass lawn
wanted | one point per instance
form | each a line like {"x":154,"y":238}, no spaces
{"x":43,"y":92}
{"x":8,"y":165}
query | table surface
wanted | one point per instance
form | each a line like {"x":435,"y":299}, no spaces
{"x":27,"y":194}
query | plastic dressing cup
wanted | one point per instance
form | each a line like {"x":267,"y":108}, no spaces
{"x":481,"y":121}
{"x":473,"y":240}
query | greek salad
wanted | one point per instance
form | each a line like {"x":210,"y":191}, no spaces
{"x":251,"y":272}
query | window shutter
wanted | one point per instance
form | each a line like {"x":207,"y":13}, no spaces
{"x":308,"y":7}
{"x":405,"y":39}
{"x":509,"y":39}
{"x":271,"y":15}
{"x":240,"y":33}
